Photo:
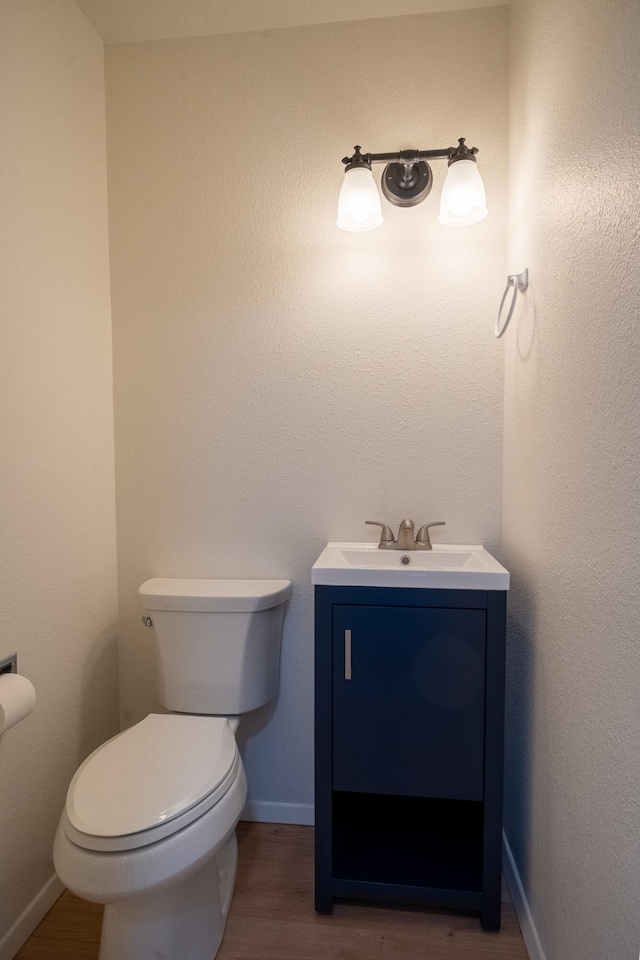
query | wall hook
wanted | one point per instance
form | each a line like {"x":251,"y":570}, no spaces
{"x":519,"y":282}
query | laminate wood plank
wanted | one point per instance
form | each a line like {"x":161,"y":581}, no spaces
{"x":72,"y":918}
{"x":273,"y":918}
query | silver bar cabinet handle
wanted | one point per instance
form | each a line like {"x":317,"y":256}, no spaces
{"x":347,"y":654}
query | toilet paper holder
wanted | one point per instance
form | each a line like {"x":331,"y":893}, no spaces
{"x":17,"y":694}
{"x":9,"y":664}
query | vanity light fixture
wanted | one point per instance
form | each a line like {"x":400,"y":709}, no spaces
{"x":406,"y":180}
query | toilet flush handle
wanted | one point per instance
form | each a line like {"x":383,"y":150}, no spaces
{"x":148,"y":622}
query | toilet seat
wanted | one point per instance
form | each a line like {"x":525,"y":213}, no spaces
{"x":150,"y":781}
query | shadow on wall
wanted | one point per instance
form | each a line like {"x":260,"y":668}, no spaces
{"x":254,"y":722}
{"x":521,"y":628}
{"x":99,"y":708}
{"x":526,"y":324}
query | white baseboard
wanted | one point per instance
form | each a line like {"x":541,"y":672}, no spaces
{"x":19,"y":933}
{"x":520,"y":902}
{"x":267,"y":811}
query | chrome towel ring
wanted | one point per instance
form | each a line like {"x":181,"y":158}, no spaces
{"x":519,"y":282}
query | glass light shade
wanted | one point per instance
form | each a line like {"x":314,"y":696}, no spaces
{"x":463,"y":201}
{"x":359,"y":201}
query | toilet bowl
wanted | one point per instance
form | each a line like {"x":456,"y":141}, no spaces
{"x":148,"y":827}
{"x":149,"y":830}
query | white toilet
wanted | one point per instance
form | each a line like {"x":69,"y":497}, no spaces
{"x":149,"y":824}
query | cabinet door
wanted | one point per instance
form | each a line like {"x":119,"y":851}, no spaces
{"x":408,"y":701}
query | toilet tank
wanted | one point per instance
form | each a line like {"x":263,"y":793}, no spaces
{"x":217,"y":642}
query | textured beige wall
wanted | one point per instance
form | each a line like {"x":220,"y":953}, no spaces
{"x":571,"y":475}
{"x":277,"y":381}
{"x":57,"y":528}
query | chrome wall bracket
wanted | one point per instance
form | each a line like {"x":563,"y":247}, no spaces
{"x":405,"y":184}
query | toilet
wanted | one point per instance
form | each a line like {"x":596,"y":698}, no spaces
{"x":149,"y":823}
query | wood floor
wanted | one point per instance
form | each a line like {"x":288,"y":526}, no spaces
{"x":272,"y":917}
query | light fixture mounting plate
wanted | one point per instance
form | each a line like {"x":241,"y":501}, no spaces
{"x":405,"y":185}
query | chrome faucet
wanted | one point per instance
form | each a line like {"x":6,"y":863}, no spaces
{"x":406,"y":539}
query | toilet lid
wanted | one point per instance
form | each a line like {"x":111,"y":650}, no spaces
{"x":150,"y":774}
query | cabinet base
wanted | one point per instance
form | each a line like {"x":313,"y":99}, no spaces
{"x":411,"y":850}
{"x":408,"y":841}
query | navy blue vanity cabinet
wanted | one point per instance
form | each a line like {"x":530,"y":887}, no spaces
{"x":409,"y":746}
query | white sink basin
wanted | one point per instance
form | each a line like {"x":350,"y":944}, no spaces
{"x":447,"y":566}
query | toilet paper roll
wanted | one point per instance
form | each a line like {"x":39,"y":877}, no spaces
{"x":17,"y":699}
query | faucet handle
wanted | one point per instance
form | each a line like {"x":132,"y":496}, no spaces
{"x":423,"y":541}
{"x":387,"y":540}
